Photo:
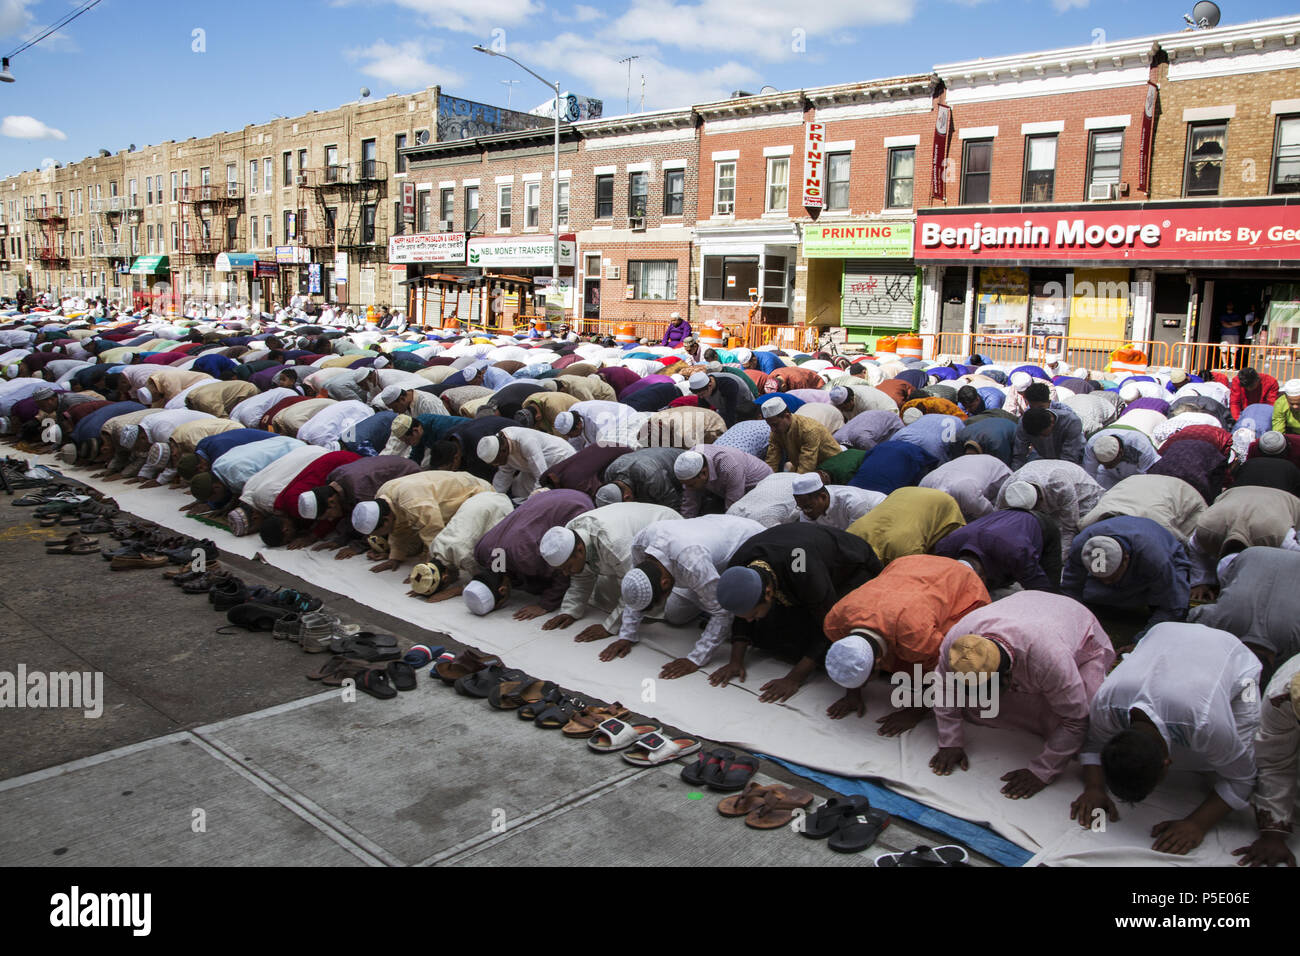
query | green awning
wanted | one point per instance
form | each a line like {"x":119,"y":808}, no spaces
{"x":149,"y":266}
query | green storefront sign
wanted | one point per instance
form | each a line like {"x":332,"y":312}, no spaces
{"x":858,"y":240}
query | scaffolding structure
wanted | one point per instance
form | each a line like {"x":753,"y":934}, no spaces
{"x":344,"y":209}
{"x":205,"y":230}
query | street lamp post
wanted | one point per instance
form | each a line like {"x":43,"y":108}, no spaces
{"x":555,"y":186}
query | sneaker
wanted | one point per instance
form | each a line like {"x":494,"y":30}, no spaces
{"x":318,"y":630}
{"x":288,"y":628}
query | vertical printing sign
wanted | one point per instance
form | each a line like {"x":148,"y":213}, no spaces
{"x":942,"y":130}
{"x":814,"y":164}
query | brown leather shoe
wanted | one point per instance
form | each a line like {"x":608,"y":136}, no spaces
{"x":135,"y":562}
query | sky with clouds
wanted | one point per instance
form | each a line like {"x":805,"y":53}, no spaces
{"x":136,"y":71}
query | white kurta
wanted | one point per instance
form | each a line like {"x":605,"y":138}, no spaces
{"x":531,"y":454}
{"x":848,"y":504}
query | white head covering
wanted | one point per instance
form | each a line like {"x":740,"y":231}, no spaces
{"x":1292,"y":388}
{"x":146,"y":396}
{"x":159,"y":454}
{"x":479,"y":598}
{"x":564,"y":423}
{"x":307,"y":505}
{"x":638,"y":592}
{"x":1272,"y":443}
{"x":699,"y":381}
{"x":389,"y":395}
{"x":743,"y":355}
{"x":772,"y":407}
{"x":1102,"y":555}
{"x":489,"y":446}
{"x":1020,"y":494}
{"x":381,"y":362}
{"x":688,"y":465}
{"x":1106,"y":448}
{"x":1021,"y":381}
{"x":128,"y":436}
{"x":557,"y":546}
{"x":806,"y":484}
{"x":1129,"y":392}
{"x":839,"y":395}
{"x":609,"y":494}
{"x":850,"y":660}
{"x":365,"y":516}
{"x":912,"y":414}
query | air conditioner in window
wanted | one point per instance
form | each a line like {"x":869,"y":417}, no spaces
{"x":1099,"y":191}
{"x":611,"y":272}
{"x":445,"y":225}
{"x":302,"y":179}
{"x":636,"y":223}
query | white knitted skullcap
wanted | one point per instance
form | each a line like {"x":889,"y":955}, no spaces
{"x":564,"y":423}
{"x":688,"y":465}
{"x":1020,"y":494}
{"x":638,"y":592}
{"x":1102,"y":555}
{"x":479,"y":598}
{"x":772,"y":407}
{"x":806,"y":484}
{"x":365,"y":516}
{"x":1272,"y":443}
{"x":850,"y":660}
{"x":557,"y":546}
{"x":698,"y":381}
{"x":489,"y":446}
{"x":1106,"y":448}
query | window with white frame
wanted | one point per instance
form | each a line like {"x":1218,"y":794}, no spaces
{"x":724,"y":189}
{"x":837,"y":180}
{"x":653,"y":279}
{"x":563,"y":203}
{"x":674,"y":191}
{"x":1286,"y":155}
{"x":532,"y":204}
{"x":778,"y":184}
{"x":638,"y":187}
{"x":175,"y":186}
{"x":268,"y":175}
{"x":902,"y":177}
{"x":252,"y":232}
{"x":267,"y":237}
{"x":505,"y":194}
{"x":253,"y":176}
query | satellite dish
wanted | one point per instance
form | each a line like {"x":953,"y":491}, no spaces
{"x":365,"y":91}
{"x":422,"y":137}
{"x":1206,"y":14}
{"x":769,"y":89}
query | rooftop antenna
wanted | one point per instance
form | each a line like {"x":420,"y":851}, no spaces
{"x":642,"y":93}
{"x":1204,"y":16}
{"x":628,"y":60}
{"x":510,"y":89}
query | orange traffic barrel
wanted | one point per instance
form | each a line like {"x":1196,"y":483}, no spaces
{"x":887,"y":346}
{"x":909,"y":346}
{"x":625,"y":334}
{"x":711,"y":338}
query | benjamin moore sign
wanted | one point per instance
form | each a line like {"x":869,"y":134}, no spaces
{"x":858,"y":240}
{"x":526,"y":251}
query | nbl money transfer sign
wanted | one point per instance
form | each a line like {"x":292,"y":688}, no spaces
{"x":1255,"y":233}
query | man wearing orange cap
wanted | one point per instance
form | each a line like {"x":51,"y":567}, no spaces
{"x":1048,"y":655}
{"x":896,"y":622}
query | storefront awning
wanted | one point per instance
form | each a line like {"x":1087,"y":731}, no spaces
{"x":236,"y":262}
{"x":149,"y":266}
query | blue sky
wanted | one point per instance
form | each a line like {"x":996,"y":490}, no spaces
{"x":128,"y":71}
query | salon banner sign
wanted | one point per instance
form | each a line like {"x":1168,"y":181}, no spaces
{"x":1139,"y":234}
{"x":426,"y":247}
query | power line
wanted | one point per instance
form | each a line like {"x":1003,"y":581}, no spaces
{"x":58,"y":26}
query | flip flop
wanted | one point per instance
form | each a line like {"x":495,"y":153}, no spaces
{"x":614,"y":734}
{"x":694,"y":773}
{"x":947,"y":855}
{"x":80,"y":547}
{"x":374,"y":681}
{"x":560,"y":714}
{"x":660,"y":750}
{"x":747,"y":800}
{"x":858,"y":833}
{"x":480,"y":683}
{"x":777,"y":808}
{"x":469,"y":662}
{"x":402,"y":675}
{"x":510,"y":695}
{"x":731,"y":774}
{"x":828,"y":818}
{"x":333,"y":671}
{"x":585,"y":722}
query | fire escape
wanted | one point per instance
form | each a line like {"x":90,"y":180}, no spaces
{"x":48,"y":243}
{"x":204,"y":213}
{"x":346,"y":211}
{"x":107,"y":233}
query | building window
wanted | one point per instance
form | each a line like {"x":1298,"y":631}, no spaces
{"x":1205,"y":151}
{"x":148,"y":231}
{"x":532,"y":204}
{"x":1105,"y":157}
{"x":1040,"y":169}
{"x":729,"y":278}
{"x":1286,"y":155}
{"x":148,"y":192}
{"x":471,"y":208}
{"x":232,"y":233}
{"x":655,"y":279}
{"x":837,"y":180}
{"x":724,"y":189}
{"x":133,"y":192}
{"x":778,"y":184}
{"x":976,"y":169}
{"x":605,"y":197}
{"x":287,"y":158}
{"x":368,"y":224}
{"x":205,"y":176}
{"x":267,"y":235}
{"x":253,"y":176}
{"x":638,"y":191}
{"x":562,"y":205}
{"x":252,"y":232}
{"x":774,"y":280}
{"x":504,"y":202}
{"x":369,"y":167}
{"x":399,"y":144}
{"x":268,"y":175}
{"x":331,"y":221}
{"x":423,"y":210}
{"x":175,"y":186}
{"x":674,"y":191}
{"x":446,"y":209}
{"x":399,"y":221}
{"x":289,"y":231}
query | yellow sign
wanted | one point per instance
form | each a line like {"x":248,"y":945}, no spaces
{"x":1099,"y":307}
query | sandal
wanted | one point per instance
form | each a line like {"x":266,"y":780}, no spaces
{"x":560,"y":714}
{"x":832,"y":814}
{"x":730,"y":774}
{"x":402,"y":675}
{"x":778,"y":807}
{"x":510,"y":695}
{"x":335,"y":669}
{"x":585,"y":721}
{"x":374,"y":681}
{"x":470,"y":661}
{"x":947,"y":855}
{"x":858,"y":833}
{"x":747,"y":800}
{"x":660,"y":749}
{"x":531,"y":710}
{"x":694,"y":773}
{"x":614,"y":734}
{"x":481,"y":683}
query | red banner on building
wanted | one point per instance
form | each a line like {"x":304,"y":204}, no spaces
{"x":1144,"y":147}
{"x":1177,"y":234}
{"x":939,"y":154}
{"x":408,"y":202}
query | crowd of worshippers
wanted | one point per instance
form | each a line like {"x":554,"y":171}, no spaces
{"x":862,"y":518}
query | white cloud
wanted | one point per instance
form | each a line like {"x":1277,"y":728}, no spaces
{"x":765,"y":29}
{"x":593,"y":62}
{"x":585,"y":14}
{"x":1062,"y":6}
{"x":29,"y":127}
{"x":15,"y":17}
{"x":473,"y":16}
{"x":405,"y":65}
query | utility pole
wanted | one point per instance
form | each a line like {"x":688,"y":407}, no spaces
{"x":628,"y":60}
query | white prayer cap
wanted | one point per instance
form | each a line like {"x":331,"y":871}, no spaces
{"x":772,"y":407}
{"x":850,"y":660}
{"x":365,"y":516}
{"x":307,"y":505}
{"x":425,"y":578}
{"x":1020,"y":494}
{"x":1102,"y":555}
{"x":1178,"y":376}
{"x":743,"y":355}
{"x":1106,"y":448}
{"x":1292,"y":388}
{"x":489,"y":446}
{"x":564,"y":423}
{"x":381,"y":362}
{"x":688,"y":465}
{"x":146,"y":396}
{"x":68,"y":453}
{"x":1129,"y":392}
{"x":912,"y":414}
{"x":1053,"y":359}
{"x":675,"y":315}
{"x":610,"y":494}
{"x":807,"y":484}
{"x":479,"y":598}
{"x":557,"y":546}
{"x":1272,"y":443}
{"x":699,"y":381}
{"x":638,"y":592}
{"x":389,"y":395}
{"x":839,"y":395}
{"x":159,"y":454}
{"x":1021,"y":381}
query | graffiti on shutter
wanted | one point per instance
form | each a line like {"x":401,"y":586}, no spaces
{"x":877,"y":295}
